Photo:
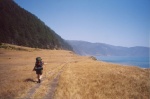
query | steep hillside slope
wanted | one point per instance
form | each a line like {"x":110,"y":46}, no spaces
{"x":87,"y":48}
{"x":20,"y":27}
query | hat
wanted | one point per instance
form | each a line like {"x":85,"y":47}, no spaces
{"x":38,"y":58}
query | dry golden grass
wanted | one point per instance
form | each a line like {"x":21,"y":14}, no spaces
{"x":16,"y":66}
{"x":99,"y":80}
{"x":81,"y":77}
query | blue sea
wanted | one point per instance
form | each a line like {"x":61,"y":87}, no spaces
{"x":142,"y":62}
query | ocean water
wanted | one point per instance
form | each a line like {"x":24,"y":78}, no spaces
{"x":142,"y":62}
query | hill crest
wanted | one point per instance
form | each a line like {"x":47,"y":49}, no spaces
{"x":21,"y":27}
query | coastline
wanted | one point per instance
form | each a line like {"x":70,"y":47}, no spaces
{"x":142,"y":62}
{"x":81,"y":77}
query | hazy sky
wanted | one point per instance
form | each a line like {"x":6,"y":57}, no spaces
{"x":116,"y":22}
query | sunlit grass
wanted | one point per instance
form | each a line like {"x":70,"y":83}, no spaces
{"x":98,"y":80}
{"x":16,"y":66}
{"x":81,"y":78}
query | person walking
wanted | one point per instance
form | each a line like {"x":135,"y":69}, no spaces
{"x":39,"y":68}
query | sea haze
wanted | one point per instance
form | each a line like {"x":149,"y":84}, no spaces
{"x":142,"y":62}
{"x":100,"y":49}
{"x":135,"y":56}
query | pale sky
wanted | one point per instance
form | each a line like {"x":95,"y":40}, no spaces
{"x":116,"y":22}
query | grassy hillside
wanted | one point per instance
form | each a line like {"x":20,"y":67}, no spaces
{"x":68,"y":76}
{"x":20,"y":27}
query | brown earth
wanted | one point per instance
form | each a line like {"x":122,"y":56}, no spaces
{"x":68,"y":76}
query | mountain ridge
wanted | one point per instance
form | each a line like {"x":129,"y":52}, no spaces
{"x":20,"y":27}
{"x":102,"y":49}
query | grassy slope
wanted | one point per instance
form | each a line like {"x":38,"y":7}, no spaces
{"x":98,"y":80}
{"x":82,"y":77}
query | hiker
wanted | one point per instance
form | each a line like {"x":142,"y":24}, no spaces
{"x":38,"y":68}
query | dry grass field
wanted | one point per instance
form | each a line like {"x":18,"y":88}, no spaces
{"x":68,"y":76}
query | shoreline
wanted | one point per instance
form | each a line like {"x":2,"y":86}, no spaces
{"x":125,"y":60}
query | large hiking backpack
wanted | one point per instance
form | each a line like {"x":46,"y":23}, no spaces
{"x":39,"y":64}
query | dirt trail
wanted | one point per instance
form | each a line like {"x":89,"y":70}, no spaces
{"x":53,"y":85}
{"x":53,"y":82}
{"x":69,"y":76}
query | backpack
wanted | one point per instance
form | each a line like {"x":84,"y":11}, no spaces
{"x":38,"y":64}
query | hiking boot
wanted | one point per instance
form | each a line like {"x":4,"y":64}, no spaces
{"x":39,"y":81}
